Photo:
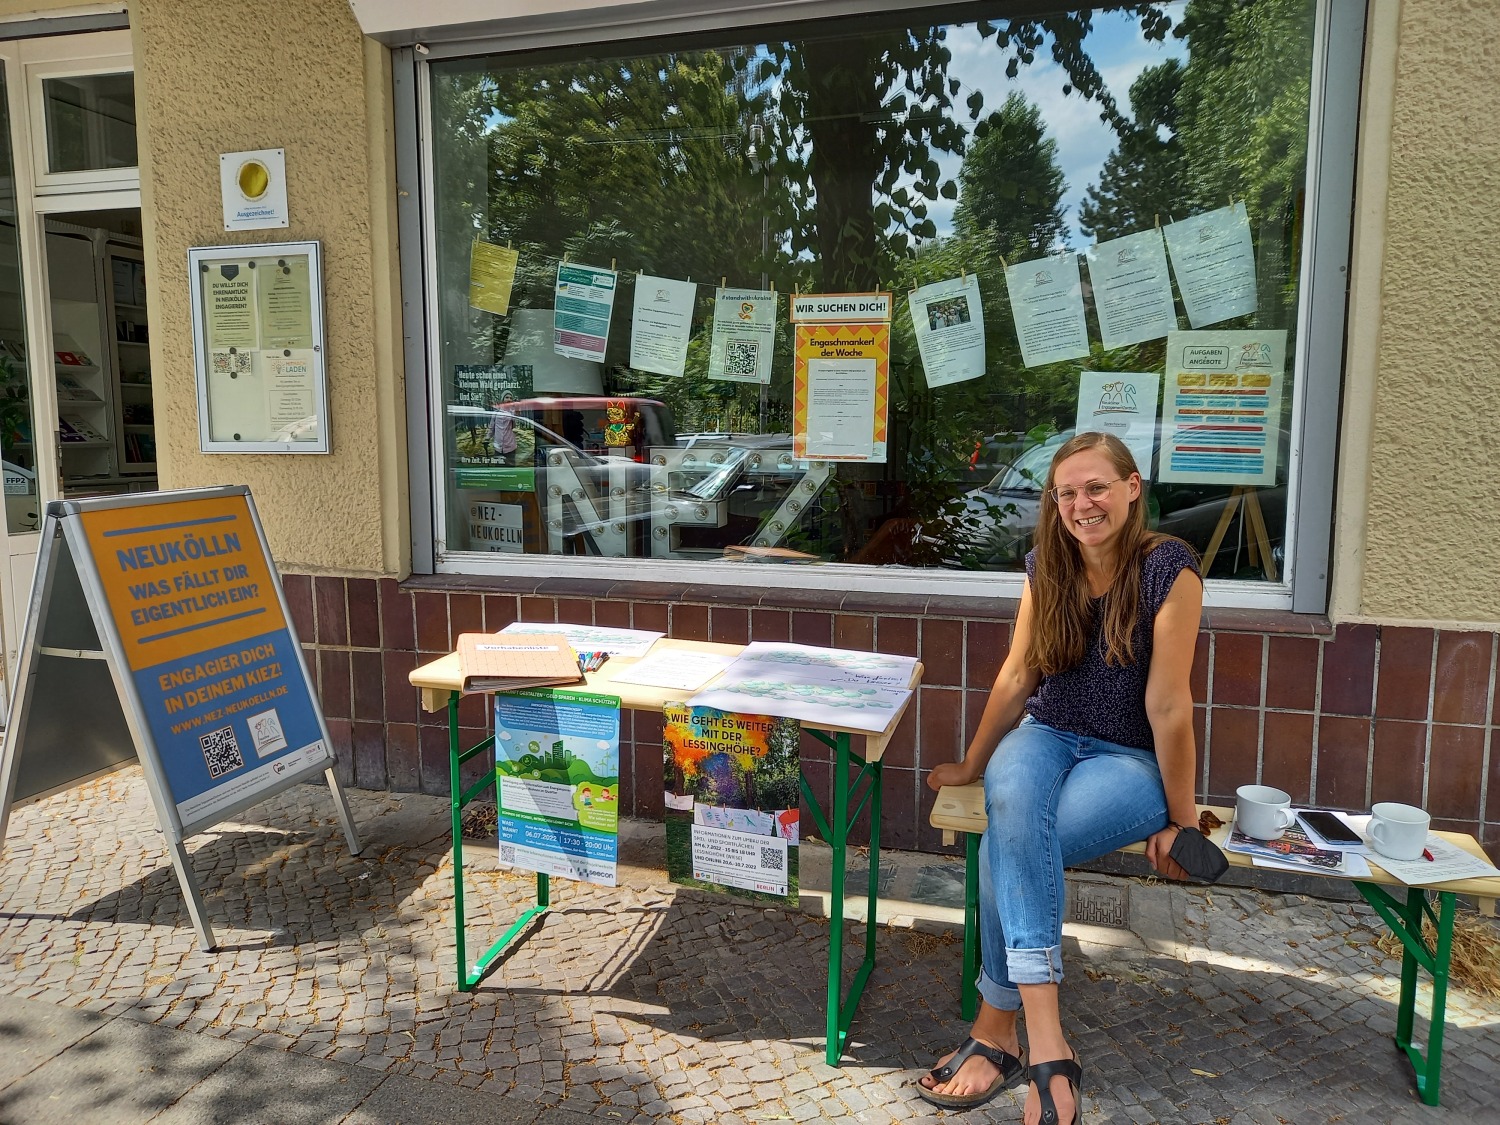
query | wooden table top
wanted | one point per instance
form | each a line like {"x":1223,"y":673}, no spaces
{"x":439,"y":678}
{"x":960,"y":808}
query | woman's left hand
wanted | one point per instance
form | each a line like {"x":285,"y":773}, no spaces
{"x":1159,"y":849}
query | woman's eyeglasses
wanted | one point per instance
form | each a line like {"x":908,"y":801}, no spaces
{"x":1095,"y":490}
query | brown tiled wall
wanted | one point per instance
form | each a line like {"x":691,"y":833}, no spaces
{"x":1341,"y":717}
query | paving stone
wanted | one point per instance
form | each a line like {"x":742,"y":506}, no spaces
{"x":668,"y":1002}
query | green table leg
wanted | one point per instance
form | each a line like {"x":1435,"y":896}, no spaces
{"x":1405,"y":921}
{"x":968,"y":994}
{"x":468,"y":979}
{"x":847,"y":806}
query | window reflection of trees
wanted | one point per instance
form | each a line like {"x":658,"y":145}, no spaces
{"x":816,"y":163}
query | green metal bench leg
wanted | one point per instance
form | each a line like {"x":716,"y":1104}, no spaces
{"x":968,"y":996}
{"x":1405,"y":921}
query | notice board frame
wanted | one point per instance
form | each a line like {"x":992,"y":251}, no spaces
{"x":72,"y":650}
{"x":251,"y":360}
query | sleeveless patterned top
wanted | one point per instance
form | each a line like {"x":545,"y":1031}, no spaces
{"x":1105,"y":701}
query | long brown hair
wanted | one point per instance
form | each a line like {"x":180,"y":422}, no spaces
{"x":1063,"y":616}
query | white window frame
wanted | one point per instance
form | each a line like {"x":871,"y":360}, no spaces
{"x":73,"y":56}
{"x":430,"y":498}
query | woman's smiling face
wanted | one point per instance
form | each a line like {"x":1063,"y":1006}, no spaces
{"x":1093,"y":522}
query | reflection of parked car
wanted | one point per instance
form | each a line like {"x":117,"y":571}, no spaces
{"x":602,"y":424}
{"x":599,"y":475}
{"x":1001,"y":516}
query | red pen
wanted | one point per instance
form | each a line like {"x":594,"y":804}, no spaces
{"x":1427,"y":855}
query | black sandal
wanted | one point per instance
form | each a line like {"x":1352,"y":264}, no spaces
{"x":1011,"y":1068}
{"x":1043,"y":1073}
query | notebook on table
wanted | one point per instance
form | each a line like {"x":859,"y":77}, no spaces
{"x":512,"y":661}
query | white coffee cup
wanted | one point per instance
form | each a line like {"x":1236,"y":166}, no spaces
{"x":1262,"y":811}
{"x":1398,"y":831}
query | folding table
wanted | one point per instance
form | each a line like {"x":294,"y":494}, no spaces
{"x":439,"y":682}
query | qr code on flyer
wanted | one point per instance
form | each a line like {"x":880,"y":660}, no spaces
{"x":221,"y":752}
{"x":740,"y":358}
{"x":231,"y":363}
{"x":772,"y":859}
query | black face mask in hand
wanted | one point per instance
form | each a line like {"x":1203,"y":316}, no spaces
{"x":1199,"y":856}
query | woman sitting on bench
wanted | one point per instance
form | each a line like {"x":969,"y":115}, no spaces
{"x":1103,"y":756}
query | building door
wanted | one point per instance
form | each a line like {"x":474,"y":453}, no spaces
{"x":75,"y":396}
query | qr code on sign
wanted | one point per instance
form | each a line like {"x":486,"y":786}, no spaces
{"x":507,"y":853}
{"x":771,"y":859}
{"x":740,"y":357}
{"x":221,"y":752}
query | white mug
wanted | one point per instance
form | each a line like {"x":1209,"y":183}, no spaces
{"x":1263,"y":812}
{"x":1398,"y":831}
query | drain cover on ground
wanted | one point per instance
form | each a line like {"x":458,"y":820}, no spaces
{"x":1100,"y":904}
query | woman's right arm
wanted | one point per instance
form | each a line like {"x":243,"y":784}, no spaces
{"x":1013,"y":686}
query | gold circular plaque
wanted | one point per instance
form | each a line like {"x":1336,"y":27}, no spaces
{"x":254,"y":179}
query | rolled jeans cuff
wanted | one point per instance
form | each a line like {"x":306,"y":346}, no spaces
{"x":1034,"y":966}
{"x":1001,"y":997}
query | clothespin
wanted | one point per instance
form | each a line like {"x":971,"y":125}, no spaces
{"x":565,"y":258}
{"x":507,"y":244}
{"x":1003,"y":264}
{"x":723,"y":283}
{"x":1158,"y":221}
{"x":963,"y":277}
{"x":611,"y":265}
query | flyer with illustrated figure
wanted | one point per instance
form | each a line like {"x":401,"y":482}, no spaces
{"x":557,"y":775}
{"x":1132,"y":289}
{"x":1214,"y":262}
{"x":744,"y":335}
{"x":583,"y":303}
{"x":948,"y":320}
{"x":733,"y":789}
{"x":1046,"y":301}
{"x":661,"y":324}
{"x":1122,"y":403}
{"x":1221,"y":414}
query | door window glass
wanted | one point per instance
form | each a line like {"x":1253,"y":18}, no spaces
{"x":90,"y":122}
{"x":17,"y":451}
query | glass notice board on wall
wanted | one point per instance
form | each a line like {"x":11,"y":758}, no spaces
{"x":258,"y":344}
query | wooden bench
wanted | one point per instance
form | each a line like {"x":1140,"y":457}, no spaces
{"x":960,"y":809}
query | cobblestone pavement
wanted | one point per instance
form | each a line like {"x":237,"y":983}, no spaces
{"x":649,"y":1002}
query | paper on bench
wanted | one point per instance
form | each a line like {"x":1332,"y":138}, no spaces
{"x":1448,"y":862}
{"x":1354,"y":866}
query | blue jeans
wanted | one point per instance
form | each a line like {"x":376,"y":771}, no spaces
{"x":1054,"y":800}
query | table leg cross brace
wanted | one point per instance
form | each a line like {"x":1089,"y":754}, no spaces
{"x":469,"y":978}
{"x":1405,"y":921}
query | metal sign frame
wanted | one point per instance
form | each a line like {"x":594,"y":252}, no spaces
{"x":54,"y":645}
{"x":219,"y":368}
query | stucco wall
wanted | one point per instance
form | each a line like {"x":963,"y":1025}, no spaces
{"x":1431,"y":549}
{"x":219,"y":76}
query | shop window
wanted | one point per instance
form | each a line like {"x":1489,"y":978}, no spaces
{"x":1083,"y":222}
